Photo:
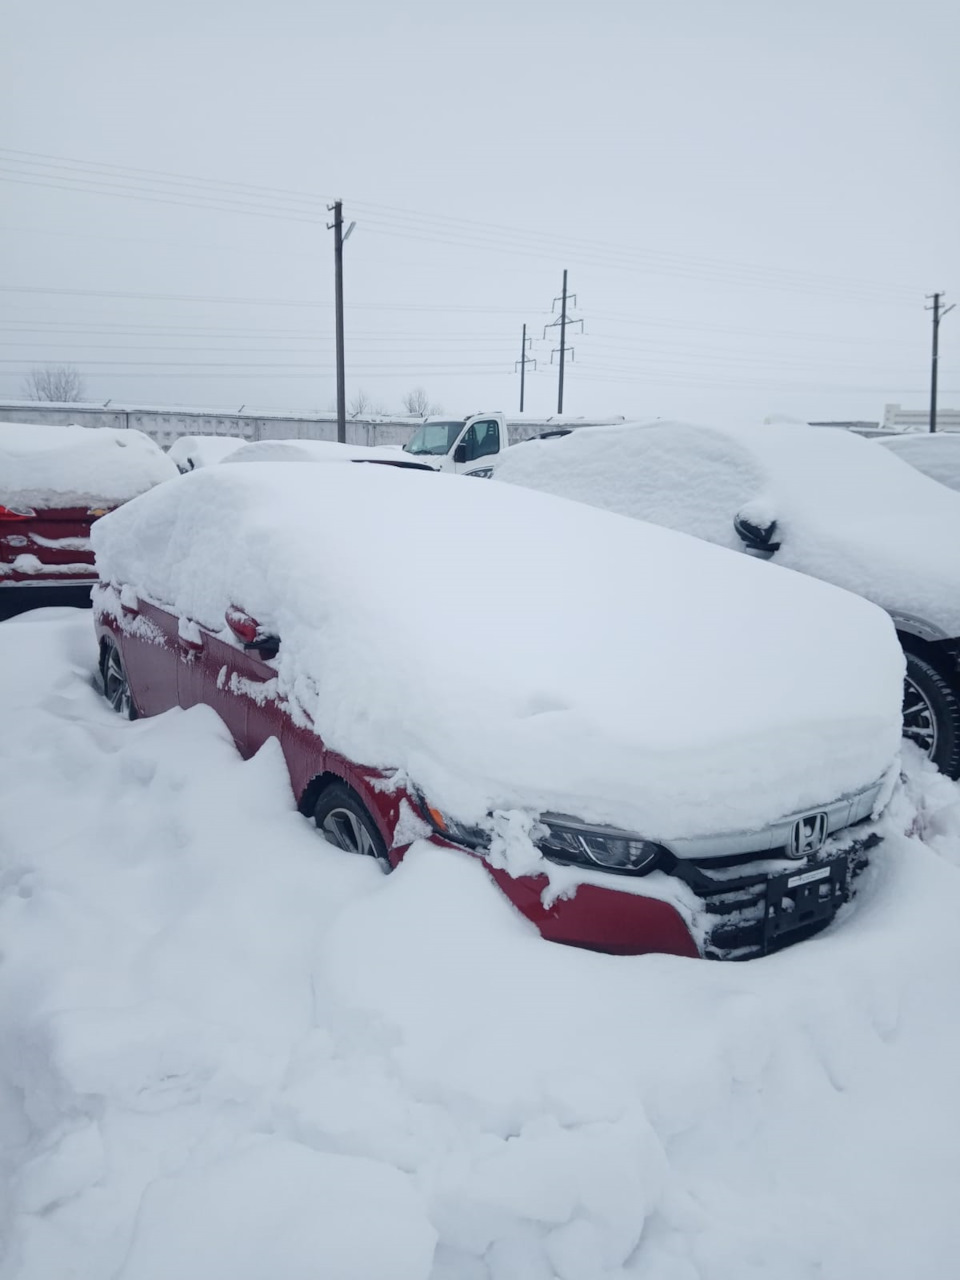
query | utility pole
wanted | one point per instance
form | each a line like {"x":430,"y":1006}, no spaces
{"x":338,"y":242}
{"x":937,"y":317}
{"x":523,"y":362}
{"x":562,"y":321}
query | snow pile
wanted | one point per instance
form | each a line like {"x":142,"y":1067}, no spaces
{"x":44,"y":466}
{"x":232,"y":1052}
{"x":507,"y":650}
{"x":846,"y":511}
{"x":937,"y":455}
{"x":190,"y":452}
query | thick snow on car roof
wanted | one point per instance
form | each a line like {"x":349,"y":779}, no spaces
{"x":322,"y":451}
{"x":846,"y":511}
{"x":190,"y":452}
{"x":936,"y":455}
{"x":507,"y":649}
{"x":47,"y":466}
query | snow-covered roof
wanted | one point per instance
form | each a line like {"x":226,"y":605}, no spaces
{"x":190,"y":452}
{"x":317,"y":451}
{"x":509,"y":650}
{"x":937,"y":455}
{"x":846,"y":511}
{"x":46,"y":466}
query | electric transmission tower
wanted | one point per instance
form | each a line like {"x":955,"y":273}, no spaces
{"x":561,"y":323}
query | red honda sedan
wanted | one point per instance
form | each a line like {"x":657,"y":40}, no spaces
{"x":526,"y":681}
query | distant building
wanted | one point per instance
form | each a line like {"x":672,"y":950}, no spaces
{"x":166,"y":425}
{"x":897,"y":419}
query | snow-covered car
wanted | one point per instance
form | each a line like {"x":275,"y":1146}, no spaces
{"x":652,"y":744}
{"x":325,"y":451}
{"x":191,"y":452}
{"x":826,"y":503}
{"x":937,"y":455}
{"x":54,"y":482}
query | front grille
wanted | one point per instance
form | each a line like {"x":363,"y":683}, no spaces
{"x":734,"y":891}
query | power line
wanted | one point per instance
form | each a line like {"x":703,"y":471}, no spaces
{"x":384,"y":219}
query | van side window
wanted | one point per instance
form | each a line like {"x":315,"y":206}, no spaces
{"x":482,"y":439}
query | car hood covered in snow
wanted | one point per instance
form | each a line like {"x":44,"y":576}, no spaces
{"x":45,"y":466}
{"x":846,"y":511}
{"x":506,"y":649}
{"x":325,"y":451}
{"x":936,"y":455}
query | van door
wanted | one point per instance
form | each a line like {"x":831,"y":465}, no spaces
{"x":479,"y":445}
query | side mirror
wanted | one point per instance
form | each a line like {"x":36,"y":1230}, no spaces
{"x":250,"y":634}
{"x":460,"y":452}
{"x":756,"y":536}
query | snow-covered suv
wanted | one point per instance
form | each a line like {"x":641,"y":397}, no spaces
{"x":824,"y":502}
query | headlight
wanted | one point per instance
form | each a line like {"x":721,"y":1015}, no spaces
{"x":458,"y":832}
{"x":568,"y":840}
{"x":481,"y":473}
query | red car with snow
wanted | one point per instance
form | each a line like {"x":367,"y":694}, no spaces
{"x":54,"y":483}
{"x":641,"y":736}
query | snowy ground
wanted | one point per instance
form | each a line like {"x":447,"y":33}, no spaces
{"x":232,"y":1052}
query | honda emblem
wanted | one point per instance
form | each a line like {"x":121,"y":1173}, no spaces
{"x":808,"y":835}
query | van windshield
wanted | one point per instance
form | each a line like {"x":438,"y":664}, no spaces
{"x":434,"y":438}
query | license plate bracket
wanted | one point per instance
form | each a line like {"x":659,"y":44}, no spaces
{"x":803,"y":899}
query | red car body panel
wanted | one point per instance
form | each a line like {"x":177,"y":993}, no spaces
{"x":169,"y":665}
{"x":58,"y":538}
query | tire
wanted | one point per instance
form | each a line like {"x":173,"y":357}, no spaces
{"x":931,"y":715}
{"x":343,"y":820}
{"x":116,"y":686}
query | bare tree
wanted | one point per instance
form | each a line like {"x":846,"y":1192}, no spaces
{"x":360,"y":404}
{"x":417,"y":405}
{"x":60,"y":382}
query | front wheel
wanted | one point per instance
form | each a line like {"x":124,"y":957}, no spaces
{"x":931,"y":715}
{"x":116,"y":686}
{"x":345,"y":822}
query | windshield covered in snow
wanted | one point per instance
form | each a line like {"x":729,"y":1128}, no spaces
{"x":436,"y":438}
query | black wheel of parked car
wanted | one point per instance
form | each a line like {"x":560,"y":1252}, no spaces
{"x":116,"y":686}
{"x":931,"y":714}
{"x":345,"y":822}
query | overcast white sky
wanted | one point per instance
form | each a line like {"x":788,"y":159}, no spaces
{"x":751,"y":198}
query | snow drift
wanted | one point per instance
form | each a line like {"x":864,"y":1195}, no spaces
{"x":231,"y":1051}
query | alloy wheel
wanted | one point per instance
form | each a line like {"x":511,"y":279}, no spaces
{"x":115,"y":685}
{"x":919,"y":719}
{"x":345,"y":830}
